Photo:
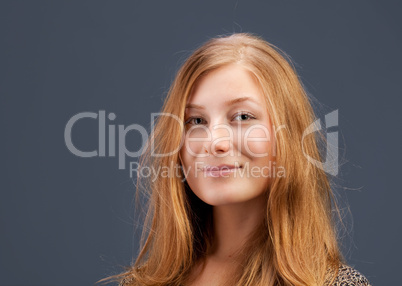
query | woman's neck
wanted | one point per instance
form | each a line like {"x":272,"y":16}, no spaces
{"x":233,"y":225}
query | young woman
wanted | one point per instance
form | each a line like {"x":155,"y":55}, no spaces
{"x":247,"y":206}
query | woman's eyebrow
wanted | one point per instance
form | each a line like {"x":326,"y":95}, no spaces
{"x":228,"y":102}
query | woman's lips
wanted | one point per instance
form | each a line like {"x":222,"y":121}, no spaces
{"x":219,"y":171}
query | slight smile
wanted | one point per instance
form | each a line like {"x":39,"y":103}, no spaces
{"x":219,"y":171}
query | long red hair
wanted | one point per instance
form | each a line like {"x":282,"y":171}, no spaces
{"x":297,"y":243}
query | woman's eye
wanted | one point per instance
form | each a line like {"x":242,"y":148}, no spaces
{"x":194,"y":121}
{"x":244,"y":117}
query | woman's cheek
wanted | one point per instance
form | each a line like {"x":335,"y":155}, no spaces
{"x":257,"y":141}
{"x":194,"y":142}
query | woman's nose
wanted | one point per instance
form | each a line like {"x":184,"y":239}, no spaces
{"x":221,"y":140}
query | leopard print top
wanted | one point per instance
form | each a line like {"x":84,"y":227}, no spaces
{"x":347,"y":276}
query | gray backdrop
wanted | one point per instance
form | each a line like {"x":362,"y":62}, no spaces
{"x":67,"y":220}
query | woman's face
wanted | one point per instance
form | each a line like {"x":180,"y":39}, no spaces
{"x":227,"y":151}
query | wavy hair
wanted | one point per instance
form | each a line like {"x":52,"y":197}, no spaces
{"x":297,"y":243}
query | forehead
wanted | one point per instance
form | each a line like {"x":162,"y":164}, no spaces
{"x":224,"y":84}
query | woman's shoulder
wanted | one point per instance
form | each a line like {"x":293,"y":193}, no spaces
{"x":348,"y":276}
{"x":127,"y":281}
